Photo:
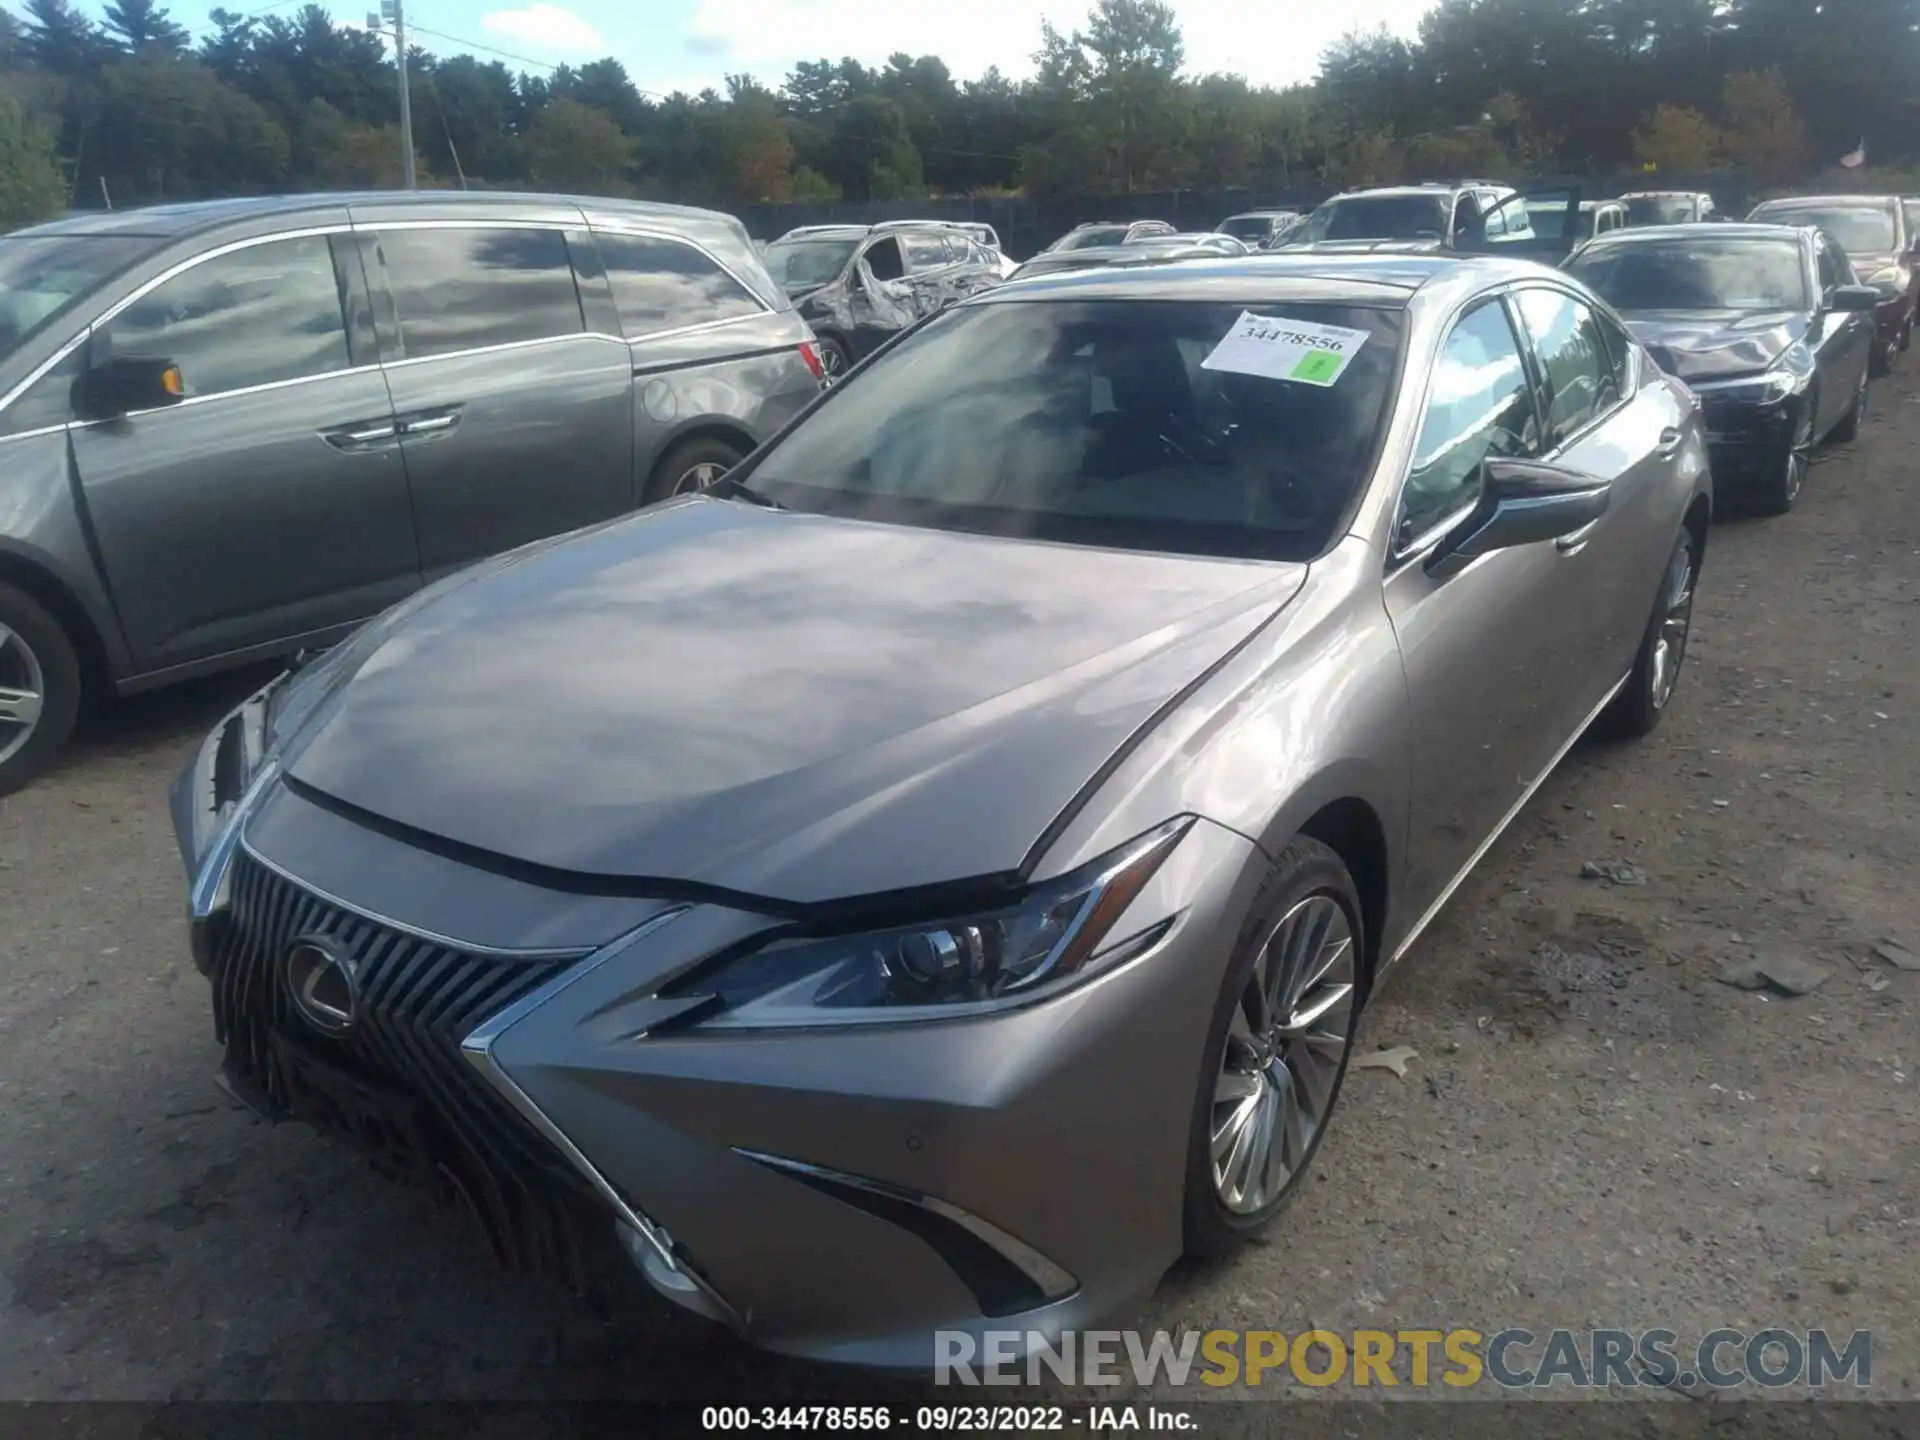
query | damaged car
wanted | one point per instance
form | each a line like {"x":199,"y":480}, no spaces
{"x":931,"y":879}
{"x":859,"y":285}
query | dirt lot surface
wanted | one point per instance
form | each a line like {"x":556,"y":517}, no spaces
{"x":1595,"y":1132}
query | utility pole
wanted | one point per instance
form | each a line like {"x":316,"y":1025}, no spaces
{"x":395,"y":11}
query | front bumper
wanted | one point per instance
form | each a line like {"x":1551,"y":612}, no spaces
{"x":1747,"y":442}
{"x":838,"y":1193}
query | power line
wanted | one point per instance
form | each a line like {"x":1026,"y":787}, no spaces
{"x":546,"y":65}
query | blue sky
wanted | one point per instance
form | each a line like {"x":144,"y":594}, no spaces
{"x":687,"y":44}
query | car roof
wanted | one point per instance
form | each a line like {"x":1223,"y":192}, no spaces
{"x":168,"y":221}
{"x":1666,"y":194}
{"x":1376,"y":280}
{"x":1435,"y":188}
{"x":1260,"y":214}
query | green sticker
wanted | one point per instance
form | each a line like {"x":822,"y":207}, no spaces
{"x":1317,"y":367}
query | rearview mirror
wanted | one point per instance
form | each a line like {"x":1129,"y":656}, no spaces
{"x":124,"y":384}
{"x":1521,"y":502}
{"x":1853,"y":298}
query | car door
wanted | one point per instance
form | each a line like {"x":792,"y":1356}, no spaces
{"x":1483,"y":648}
{"x":515,"y":418}
{"x":701,"y":344}
{"x":1844,"y":340}
{"x":270,"y":504}
{"x":1508,"y":227}
{"x":1600,"y":423}
{"x":881,"y":299}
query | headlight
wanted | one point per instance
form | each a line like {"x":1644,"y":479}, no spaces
{"x":1054,"y":936}
{"x":1759,"y":389}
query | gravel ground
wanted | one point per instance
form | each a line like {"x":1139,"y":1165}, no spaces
{"x":1595,"y":1131}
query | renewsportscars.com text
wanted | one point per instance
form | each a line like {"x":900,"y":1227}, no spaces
{"x":1511,"y":1358}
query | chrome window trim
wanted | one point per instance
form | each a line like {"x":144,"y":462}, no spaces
{"x":189,"y":402}
{"x":29,"y":434}
{"x":145,"y":289}
{"x":1599,"y":417}
{"x":645,"y":232}
{"x":407,"y":361}
{"x":699,"y":327}
{"x":1398,"y":553}
{"x":41,"y":370}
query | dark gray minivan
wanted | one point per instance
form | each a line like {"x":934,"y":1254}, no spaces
{"x":239,"y":428}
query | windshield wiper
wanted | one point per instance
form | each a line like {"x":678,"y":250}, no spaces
{"x":729,"y":488}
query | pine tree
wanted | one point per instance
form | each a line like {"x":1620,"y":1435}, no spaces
{"x":140,"y":26}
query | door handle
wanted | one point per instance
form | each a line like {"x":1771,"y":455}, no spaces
{"x":1574,"y":543}
{"x":1670,"y":441}
{"x":359,"y":437}
{"x":429,"y":424}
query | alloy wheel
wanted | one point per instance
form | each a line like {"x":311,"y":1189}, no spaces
{"x":1286,"y":1042}
{"x":1676,"y":621}
{"x":22,"y":693}
{"x":832,"y":363}
{"x":698,"y":477}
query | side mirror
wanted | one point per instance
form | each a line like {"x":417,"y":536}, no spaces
{"x":1521,"y":502}
{"x":1853,"y":298}
{"x":124,"y":384}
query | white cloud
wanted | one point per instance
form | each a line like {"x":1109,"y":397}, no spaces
{"x":545,"y":29}
{"x":766,"y":37}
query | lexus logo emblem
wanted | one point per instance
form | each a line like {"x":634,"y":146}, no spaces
{"x":321,"y":984}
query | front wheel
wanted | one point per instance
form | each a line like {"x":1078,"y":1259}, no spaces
{"x":1849,"y":427}
{"x":1637,"y":709}
{"x":1780,"y":489}
{"x":39,"y":688}
{"x":1277,"y":1051}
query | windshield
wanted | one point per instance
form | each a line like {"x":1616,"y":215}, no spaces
{"x":1247,"y":227}
{"x":1729,"y":274}
{"x":1860,"y":229}
{"x":42,"y":276}
{"x":1376,"y":217}
{"x":1093,"y":235}
{"x":802,"y":264}
{"x":1096,"y":422}
{"x":1660,"y":210}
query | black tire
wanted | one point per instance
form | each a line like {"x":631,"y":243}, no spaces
{"x":1306,"y":870}
{"x":1848,"y":429}
{"x":1906,"y":335}
{"x":1637,"y":709}
{"x":689,"y":466}
{"x":834,"y":358}
{"x":1777,"y":493}
{"x":35,"y":654}
{"x":1885,"y":352}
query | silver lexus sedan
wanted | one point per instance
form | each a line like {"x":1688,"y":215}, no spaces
{"x":932,"y":880}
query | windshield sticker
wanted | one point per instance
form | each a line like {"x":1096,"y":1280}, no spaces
{"x":1281,"y":349}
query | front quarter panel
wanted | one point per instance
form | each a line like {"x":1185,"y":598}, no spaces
{"x":43,"y":529}
{"x":1312,"y":710}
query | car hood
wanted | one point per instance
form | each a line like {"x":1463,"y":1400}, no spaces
{"x":788,"y":706}
{"x":1716,"y":344}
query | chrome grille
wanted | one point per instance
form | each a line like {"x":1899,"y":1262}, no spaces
{"x":418,"y":1000}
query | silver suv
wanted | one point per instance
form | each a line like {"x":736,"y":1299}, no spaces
{"x":240,"y":428}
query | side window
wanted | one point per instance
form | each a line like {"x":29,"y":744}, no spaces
{"x":1581,"y":381}
{"x":663,"y":285}
{"x":1465,"y":209}
{"x":250,"y":317}
{"x":460,"y":289}
{"x":1620,"y":346}
{"x":1480,"y":405}
{"x":883,"y":259}
{"x":1834,"y":269}
{"x":48,"y":401}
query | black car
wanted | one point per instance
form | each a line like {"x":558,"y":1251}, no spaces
{"x":1767,"y":326}
{"x":858,"y":285}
